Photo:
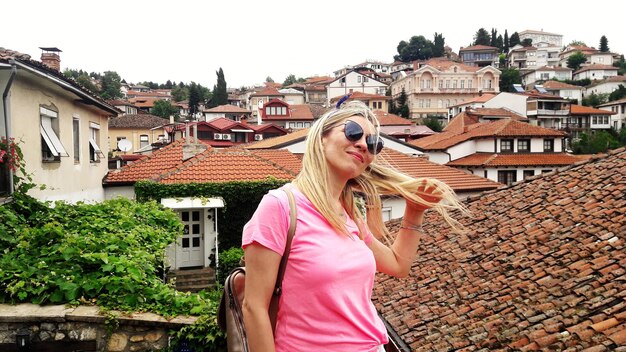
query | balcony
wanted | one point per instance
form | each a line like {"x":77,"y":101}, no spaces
{"x":548,"y":112}
{"x":575,"y":126}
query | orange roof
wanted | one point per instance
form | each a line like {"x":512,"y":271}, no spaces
{"x":479,"y":99}
{"x":586,"y":110}
{"x":276,"y":142}
{"x":597,"y":67}
{"x":389,"y":119}
{"x":149,"y":167}
{"x":458,"y":180}
{"x":553,"y":68}
{"x":517,"y":159}
{"x":559,"y":85}
{"x":361,"y":96}
{"x":227,"y":108}
{"x":445,"y":64}
{"x":301,"y":112}
{"x":281,"y":157}
{"x":226,"y":166}
{"x":478,"y":47}
{"x":500,"y":112}
{"x":460,"y":121}
{"x":266,"y":91}
{"x":500,"y":128}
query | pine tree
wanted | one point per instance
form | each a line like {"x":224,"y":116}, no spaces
{"x":494,"y":37}
{"x":439,"y":45}
{"x":220,"y":95}
{"x":604,"y":44}
{"x":194,"y":100}
{"x":514,"y":40}
{"x":482,"y":37}
{"x":506,"y":42}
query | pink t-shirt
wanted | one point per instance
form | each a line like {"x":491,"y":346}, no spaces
{"x":327,"y":289}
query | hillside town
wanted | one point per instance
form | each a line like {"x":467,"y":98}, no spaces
{"x":541,"y":265}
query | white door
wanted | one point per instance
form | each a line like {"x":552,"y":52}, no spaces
{"x":189,"y":248}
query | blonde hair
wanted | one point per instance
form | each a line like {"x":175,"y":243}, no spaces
{"x":378,"y":179}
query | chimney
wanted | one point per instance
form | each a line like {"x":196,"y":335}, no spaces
{"x":192,"y":147}
{"x":50,"y":57}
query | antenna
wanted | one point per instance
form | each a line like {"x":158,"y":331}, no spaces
{"x":124,"y":145}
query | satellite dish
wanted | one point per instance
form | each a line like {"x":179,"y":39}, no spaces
{"x":124,"y":145}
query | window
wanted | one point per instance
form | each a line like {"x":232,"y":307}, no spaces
{"x":528,"y":173}
{"x":51,"y":147}
{"x":143,"y":141}
{"x":427,"y":103}
{"x":420,"y":103}
{"x":267,"y":110}
{"x":507,"y":177}
{"x":506,"y":145}
{"x":485,"y":174}
{"x":283,"y":110}
{"x":487,"y":84}
{"x":358,"y":79}
{"x":523,"y":145}
{"x":94,"y":137}
{"x":454,"y":84}
{"x":447,"y":83}
{"x":76,"y":131}
{"x":462,"y":83}
{"x":386,"y":213}
{"x":440,"y":83}
{"x":469,"y":83}
{"x":548,"y":145}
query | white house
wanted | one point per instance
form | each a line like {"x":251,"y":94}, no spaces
{"x":354,"y":81}
{"x":606,"y":86}
{"x":564,"y":90}
{"x":619,"y":108}
{"x":546,"y":73}
{"x":595,"y":72}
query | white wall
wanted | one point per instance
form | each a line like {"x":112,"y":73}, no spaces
{"x":514,"y":102}
{"x":123,"y":191}
{"x":462,"y":150}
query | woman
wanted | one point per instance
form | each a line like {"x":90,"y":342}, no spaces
{"x":326,"y":299}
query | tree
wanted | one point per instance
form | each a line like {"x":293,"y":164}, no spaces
{"x":164,"y":108}
{"x":494,"y":37}
{"x":508,"y":77}
{"x":527,"y":42}
{"x":291,"y":79}
{"x":86,"y":83}
{"x":506,"y":45}
{"x":621,"y":65}
{"x":418,"y":48}
{"x":598,"y":142}
{"x":482,"y":37}
{"x":433,"y":122}
{"x":618,"y":94}
{"x":111,"y":84}
{"x":575,"y":60}
{"x":439,"y":44}
{"x":514,"y":40}
{"x":500,"y":43}
{"x":576,"y":43}
{"x":604,"y":44}
{"x":220,"y":95}
{"x":180,"y":93}
{"x":269,"y":79}
{"x":594,"y":99}
{"x":194,"y":100}
{"x":402,"y":108}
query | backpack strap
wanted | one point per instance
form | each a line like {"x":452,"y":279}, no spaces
{"x":278,"y":288}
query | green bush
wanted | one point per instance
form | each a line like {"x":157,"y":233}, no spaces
{"x":229,"y":259}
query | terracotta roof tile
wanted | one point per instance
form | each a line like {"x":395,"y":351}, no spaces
{"x":479,"y":99}
{"x":360,"y":96}
{"x":300,"y":112}
{"x":541,"y":266}
{"x":389,"y":119}
{"x":458,"y":180}
{"x":500,"y":128}
{"x":478,"y":47}
{"x":228,"y":108}
{"x":597,"y":67}
{"x":266,"y":91}
{"x":276,"y":142}
{"x":560,"y":85}
{"x":137,"y":121}
{"x":587,"y":110}
{"x":517,"y":159}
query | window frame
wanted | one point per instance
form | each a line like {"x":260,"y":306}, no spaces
{"x":523,"y":150}
{"x":551,"y":148}
{"x":508,"y":141}
{"x":51,"y":147}
{"x":508,"y":176}
{"x":95,"y":152}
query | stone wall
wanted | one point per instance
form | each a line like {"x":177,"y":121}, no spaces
{"x":85,"y":328}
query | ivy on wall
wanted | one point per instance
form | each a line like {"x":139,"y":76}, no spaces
{"x":240,"y":201}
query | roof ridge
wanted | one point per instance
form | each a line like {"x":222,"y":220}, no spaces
{"x":593,"y":158}
{"x":185,"y":164}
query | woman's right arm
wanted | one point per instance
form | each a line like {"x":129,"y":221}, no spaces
{"x":261,"y":271}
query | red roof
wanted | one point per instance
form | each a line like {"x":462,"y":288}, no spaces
{"x":479,"y":99}
{"x":500,"y":128}
{"x":516,"y":159}
{"x":540,"y":266}
{"x":597,"y":67}
{"x":275,"y":142}
{"x":266,"y":91}
{"x":228,"y":108}
{"x":587,"y":110}
{"x":559,"y":85}
{"x":479,"y":47}
{"x":361,"y":96}
{"x":389,"y":119}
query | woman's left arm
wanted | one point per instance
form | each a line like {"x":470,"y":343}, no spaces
{"x":397,"y":259}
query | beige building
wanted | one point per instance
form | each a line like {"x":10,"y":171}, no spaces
{"x":62,"y":128}
{"x":440,"y":83}
{"x":139,"y":130}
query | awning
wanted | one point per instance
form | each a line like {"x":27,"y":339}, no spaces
{"x":192,"y":202}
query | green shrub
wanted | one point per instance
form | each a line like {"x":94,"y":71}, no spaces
{"x":228,"y":260}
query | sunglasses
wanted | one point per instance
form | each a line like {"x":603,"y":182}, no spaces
{"x":354,"y":132}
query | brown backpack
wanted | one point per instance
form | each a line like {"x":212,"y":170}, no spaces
{"x":230,"y":314}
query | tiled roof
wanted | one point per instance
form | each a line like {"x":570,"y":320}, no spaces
{"x":388,"y":119}
{"x":458,"y":180}
{"x":137,"y":121}
{"x":499,"y":112}
{"x":266,"y":91}
{"x":281,"y":157}
{"x":317,"y":80}
{"x":361,"y":96}
{"x":7,"y":54}
{"x":143,"y":102}
{"x":460,"y":121}
{"x":559,"y":85}
{"x":478,"y":47}
{"x":621,"y":101}
{"x":228,"y":108}
{"x":226,"y":166}
{"x":500,"y":128}
{"x":301,"y":112}
{"x":149,"y":167}
{"x":221,"y":123}
{"x":597,"y":67}
{"x":553,"y":68}
{"x":542,"y":266}
{"x":587,"y":110}
{"x":275,"y":142}
{"x":517,"y":159}
{"x":445,"y":64}
{"x":479,"y":99}
{"x":402,"y":130}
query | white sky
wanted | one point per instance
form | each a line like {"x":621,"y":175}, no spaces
{"x":189,"y":40}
